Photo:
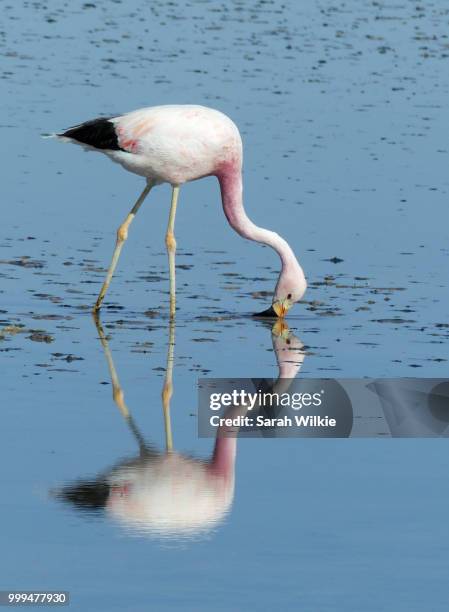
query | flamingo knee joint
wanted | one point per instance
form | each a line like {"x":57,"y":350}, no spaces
{"x":122,"y":233}
{"x":170,"y":241}
{"x":167,"y":392}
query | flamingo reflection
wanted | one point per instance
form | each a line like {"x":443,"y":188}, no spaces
{"x":164,"y":492}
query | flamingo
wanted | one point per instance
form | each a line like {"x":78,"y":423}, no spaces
{"x":176,"y":144}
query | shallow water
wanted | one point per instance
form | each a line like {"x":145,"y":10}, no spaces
{"x":342,"y":108}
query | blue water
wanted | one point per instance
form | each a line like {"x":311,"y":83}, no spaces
{"x":342,"y":108}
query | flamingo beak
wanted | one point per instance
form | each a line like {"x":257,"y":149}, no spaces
{"x":281,"y":307}
{"x":278,"y":309}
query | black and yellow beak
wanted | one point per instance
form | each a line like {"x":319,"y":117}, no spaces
{"x":279,"y":309}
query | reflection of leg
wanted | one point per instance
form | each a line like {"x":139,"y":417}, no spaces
{"x":117,"y":391}
{"x":171,"y":249}
{"x":167,"y":390}
{"x":122,"y":235}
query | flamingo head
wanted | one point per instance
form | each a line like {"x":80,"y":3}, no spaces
{"x":290,"y":288}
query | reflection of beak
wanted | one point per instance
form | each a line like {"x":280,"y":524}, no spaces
{"x":281,"y":307}
{"x":280,"y":329}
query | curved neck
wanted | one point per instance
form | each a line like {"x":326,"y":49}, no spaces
{"x":230,"y":179}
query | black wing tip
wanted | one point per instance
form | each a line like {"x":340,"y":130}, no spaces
{"x":97,"y":133}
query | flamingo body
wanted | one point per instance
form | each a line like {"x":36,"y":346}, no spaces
{"x":166,"y":144}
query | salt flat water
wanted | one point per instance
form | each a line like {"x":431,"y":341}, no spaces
{"x":342,"y":108}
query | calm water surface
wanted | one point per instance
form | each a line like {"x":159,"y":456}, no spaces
{"x":343,"y":111}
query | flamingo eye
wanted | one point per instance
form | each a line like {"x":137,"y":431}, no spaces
{"x":289,"y":296}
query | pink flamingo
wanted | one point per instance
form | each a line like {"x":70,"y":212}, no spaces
{"x":176,"y":144}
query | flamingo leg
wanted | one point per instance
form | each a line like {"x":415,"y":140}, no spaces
{"x":122,"y":235}
{"x":171,"y":249}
